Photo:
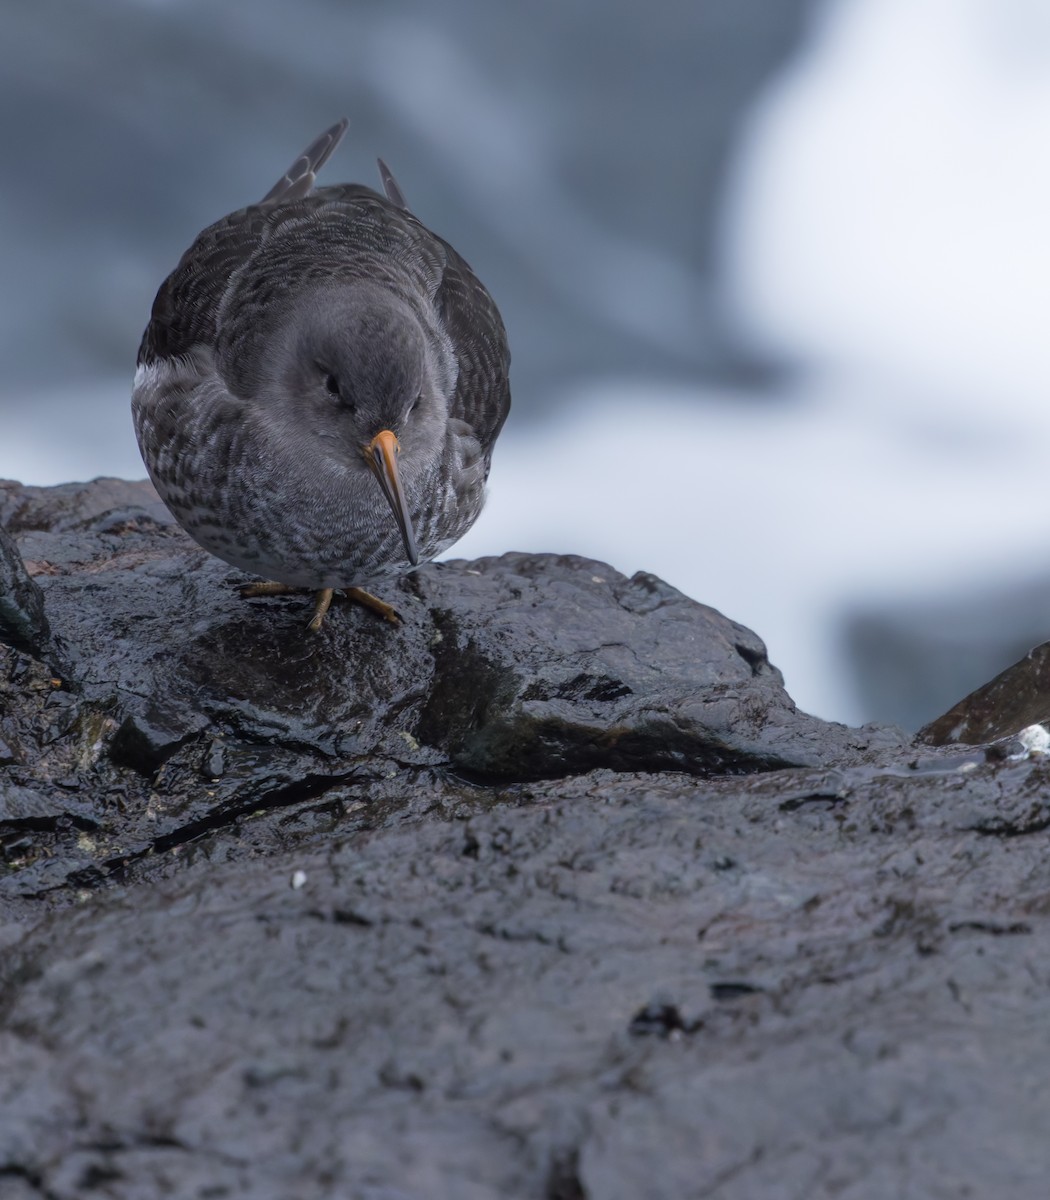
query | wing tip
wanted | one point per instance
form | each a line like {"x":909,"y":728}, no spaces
{"x":299,"y":179}
{"x":390,"y":185}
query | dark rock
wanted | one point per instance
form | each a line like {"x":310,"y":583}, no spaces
{"x":550,"y":892}
{"x":1016,"y":698}
{"x":574,"y":667}
{"x":104,"y":505}
{"x":661,"y":1019}
{"x":476,"y":1033}
{"x":512,"y":669}
{"x":22,"y":620}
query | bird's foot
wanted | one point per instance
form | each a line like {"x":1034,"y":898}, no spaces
{"x":324,"y":601}
{"x":380,"y":607}
{"x":250,"y":590}
{"x":322,"y":604}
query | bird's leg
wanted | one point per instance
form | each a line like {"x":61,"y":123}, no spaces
{"x":323,"y":604}
{"x":249,"y":590}
{"x":386,"y":611}
{"x":324,"y":600}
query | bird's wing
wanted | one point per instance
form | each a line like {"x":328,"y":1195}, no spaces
{"x":472,"y":320}
{"x":299,"y":179}
{"x":186,"y":308}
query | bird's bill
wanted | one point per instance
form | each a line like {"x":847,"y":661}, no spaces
{"x":381,"y":455}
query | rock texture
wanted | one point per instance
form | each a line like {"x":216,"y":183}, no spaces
{"x":22,"y":620}
{"x":190,"y":709}
{"x":551,"y":892}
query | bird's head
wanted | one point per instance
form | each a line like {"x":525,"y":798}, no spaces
{"x":359,"y":369}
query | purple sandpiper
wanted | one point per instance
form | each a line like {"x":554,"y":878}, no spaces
{"x":320,"y":387}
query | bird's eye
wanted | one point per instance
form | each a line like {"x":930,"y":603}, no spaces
{"x":331,"y":383}
{"x":414,"y":405}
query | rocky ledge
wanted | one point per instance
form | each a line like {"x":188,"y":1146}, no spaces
{"x":549,"y":892}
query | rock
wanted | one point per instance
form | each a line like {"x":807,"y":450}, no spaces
{"x":551,"y":891}
{"x":22,"y":620}
{"x":196,"y":708}
{"x":451,"y":1008}
{"x":71,"y":507}
{"x":1016,"y":698}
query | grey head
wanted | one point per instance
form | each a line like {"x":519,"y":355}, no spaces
{"x":351,"y":368}
{"x":351,"y":377}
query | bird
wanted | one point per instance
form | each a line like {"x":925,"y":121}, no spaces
{"x":320,"y":386}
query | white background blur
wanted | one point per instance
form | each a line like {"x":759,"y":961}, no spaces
{"x":880,"y":236}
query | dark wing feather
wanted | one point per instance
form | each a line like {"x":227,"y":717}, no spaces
{"x":187,"y":304}
{"x":472,"y":320}
{"x":184,"y":312}
{"x":299,"y":179}
{"x":391,"y":186}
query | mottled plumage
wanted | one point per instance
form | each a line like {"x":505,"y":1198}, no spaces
{"x":314,"y":362}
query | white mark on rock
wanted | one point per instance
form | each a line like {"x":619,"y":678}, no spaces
{"x":1035,"y":739}
{"x":298,"y":880}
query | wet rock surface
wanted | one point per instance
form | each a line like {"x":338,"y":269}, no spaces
{"x":190,"y":709}
{"x":550,"y":892}
{"x":22,"y":620}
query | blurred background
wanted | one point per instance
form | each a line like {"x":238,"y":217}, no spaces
{"x":776,"y":276}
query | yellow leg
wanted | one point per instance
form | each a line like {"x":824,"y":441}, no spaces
{"x":386,"y":611}
{"x":324,"y":601}
{"x":268,"y":589}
